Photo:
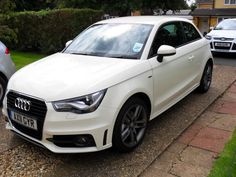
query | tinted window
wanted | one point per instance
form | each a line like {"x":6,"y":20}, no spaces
{"x":168,"y":34}
{"x":190,"y":32}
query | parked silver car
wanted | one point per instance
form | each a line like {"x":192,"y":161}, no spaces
{"x":7,"y":69}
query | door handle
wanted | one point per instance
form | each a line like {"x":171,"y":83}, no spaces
{"x":191,"y":58}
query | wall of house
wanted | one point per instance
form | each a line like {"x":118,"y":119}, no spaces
{"x":204,"y":23}
{"x":205,"y":6}
{"x":196,"y":21}
{"x":221,"y":4}
{"x":213,"y":22}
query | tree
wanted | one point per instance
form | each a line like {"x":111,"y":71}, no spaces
{"x":32,"y":5}
{"x":173,"y":5}
{"x":113,"y":7}
{"x":7,"y":6}
{"x":193,"y":6}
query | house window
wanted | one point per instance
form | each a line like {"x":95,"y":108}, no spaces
{"x":229,"y":2}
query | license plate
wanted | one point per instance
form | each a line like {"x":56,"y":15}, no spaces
{"x":23,"y":120}
{"x":221,"y":44}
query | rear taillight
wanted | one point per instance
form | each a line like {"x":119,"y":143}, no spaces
{"x":7,"y":51}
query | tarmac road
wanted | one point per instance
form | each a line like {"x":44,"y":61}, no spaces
{"x":225,"y":59}
{"x":19,"y":158}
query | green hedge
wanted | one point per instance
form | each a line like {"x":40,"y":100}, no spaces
{"x":45,"y":31}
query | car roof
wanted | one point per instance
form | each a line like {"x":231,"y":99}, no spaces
{"x":153,"y":20}
{"x":233,"y":19}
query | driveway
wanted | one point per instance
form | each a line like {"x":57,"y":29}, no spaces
{"x":225,"y":59}
{"x":19,"y":158}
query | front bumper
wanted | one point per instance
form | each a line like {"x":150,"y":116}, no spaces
{"x":223,"y":46}
{"x":98,"y":124}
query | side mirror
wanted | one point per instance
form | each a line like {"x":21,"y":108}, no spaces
{"x":212,"y":27}
{"x":165,"y":50}
{"x":68,"y":43}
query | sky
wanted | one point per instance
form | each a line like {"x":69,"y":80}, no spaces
{"x":190,"y":2}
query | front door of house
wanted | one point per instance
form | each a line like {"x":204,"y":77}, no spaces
{"x":204,"y":24}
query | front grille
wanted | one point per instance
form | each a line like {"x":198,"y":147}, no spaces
{"x":38,"y":110}
{"x":223,"y":39}
{"x":222,"y":47}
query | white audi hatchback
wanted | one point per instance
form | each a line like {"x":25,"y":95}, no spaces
{"x":105,"y":86}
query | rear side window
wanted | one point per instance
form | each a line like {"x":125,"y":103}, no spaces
{"x":191,"y":34}
{"x":168,"y":34}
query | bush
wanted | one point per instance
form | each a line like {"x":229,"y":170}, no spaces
{"x":8,"y":36}
{"x":47,"y":31}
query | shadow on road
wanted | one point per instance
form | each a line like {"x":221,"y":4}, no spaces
{"x":224,"y":55}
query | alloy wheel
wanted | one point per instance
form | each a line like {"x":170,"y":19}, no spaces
{"x":133,"y":125}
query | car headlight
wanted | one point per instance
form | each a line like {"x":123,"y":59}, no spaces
{"x":208,"y":37}
{"x":80,"y":105}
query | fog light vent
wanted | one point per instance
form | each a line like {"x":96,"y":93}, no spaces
{"x":73,"y":140}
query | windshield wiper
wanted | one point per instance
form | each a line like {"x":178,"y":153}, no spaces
{"x":125,"y":57}
{"x":79,"y":53}
{"x":102,"y":55}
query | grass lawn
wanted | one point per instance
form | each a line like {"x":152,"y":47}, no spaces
{"x":24,"y":58}
{"x":225,"y":166}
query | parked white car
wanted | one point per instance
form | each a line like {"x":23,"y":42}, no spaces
{"x":105,"y":86}
{"x":7,"y":69}
{"x":222,"y":38}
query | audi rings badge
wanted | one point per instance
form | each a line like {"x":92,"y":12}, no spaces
{"x":22,"y":104}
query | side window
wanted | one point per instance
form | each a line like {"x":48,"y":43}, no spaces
{"x":168,"y":34}
{"x":190,"y":32}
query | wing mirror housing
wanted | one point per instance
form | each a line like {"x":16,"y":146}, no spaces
{"x":68,"y":43}
{"x":165,"y":50}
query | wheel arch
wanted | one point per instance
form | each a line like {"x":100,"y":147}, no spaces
{"x":143,"y":96}
{"x":210,"y":60}
{"x":3,"y":76}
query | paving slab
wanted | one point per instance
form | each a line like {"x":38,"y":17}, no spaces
{"x":230,"y":97}
{"x":176,"y":147}
{"x":211,"y":139}
{"x":154,"y":173}
{"x":233,"y":88}
{"x":206,"y":118}
{"x":227,"y":108}
{"x":189,"y":134}
{"x":198,"y":157}
{"x":187,"y":170}
{"x":164,"y":163}
{"x":225,"y":123}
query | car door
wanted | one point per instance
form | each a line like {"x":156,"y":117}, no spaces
{"x":170,"y":77}
{"x":196,"y":47}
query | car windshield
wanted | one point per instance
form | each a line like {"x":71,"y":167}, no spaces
{"x":112,"y":40}
{"x":226,"y":25}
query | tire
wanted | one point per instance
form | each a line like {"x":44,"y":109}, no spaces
{"x":130,"y":126}
{"x":206,"y":78}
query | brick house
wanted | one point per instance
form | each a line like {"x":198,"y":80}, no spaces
{"x":210,"y":12}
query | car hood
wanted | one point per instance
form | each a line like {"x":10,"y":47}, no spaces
{"x":62,"y":76}
{"x":223,"y":33}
